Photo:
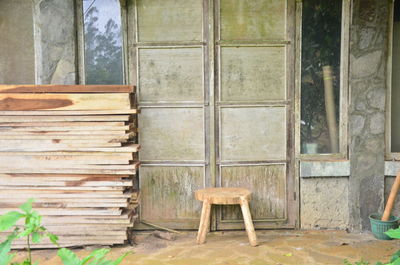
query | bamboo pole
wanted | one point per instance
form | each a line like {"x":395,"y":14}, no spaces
{"x":391,"y":199}
{"x":330,"y":108}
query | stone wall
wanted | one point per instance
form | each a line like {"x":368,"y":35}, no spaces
{"x":368,"y":54}
{"x":55,"y":41}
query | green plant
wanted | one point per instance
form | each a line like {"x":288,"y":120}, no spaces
{"x":395,"y":260}
{"x":32,"y":230}
{"x":96,"y":257}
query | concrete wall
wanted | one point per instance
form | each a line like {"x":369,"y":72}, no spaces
{"x":17,"y":64}
{"x":324,"y":195}
{"x":324,"y":203}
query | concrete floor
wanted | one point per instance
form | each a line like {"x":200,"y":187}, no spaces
{"x":231,"y":248}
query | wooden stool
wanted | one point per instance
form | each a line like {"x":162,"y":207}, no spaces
{"x":224,"y":196}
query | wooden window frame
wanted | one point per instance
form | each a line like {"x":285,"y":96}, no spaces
{"x":80,"y":41}
{"x":388,"y":128}
{"x":344,"y":86}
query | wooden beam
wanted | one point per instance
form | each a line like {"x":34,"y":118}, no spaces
{"x":4,"y":150}
{"x":36,"y":102}
{"x":67,"y":89}
{"x":66,"y":112}
{"x":120,"y":117}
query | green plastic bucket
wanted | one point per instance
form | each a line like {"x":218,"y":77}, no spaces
{"x":379,"y":227}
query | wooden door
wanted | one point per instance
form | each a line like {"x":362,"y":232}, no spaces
{"x":215,"y":81}
{"x":255,"y":83}
{"x":168,"y":52}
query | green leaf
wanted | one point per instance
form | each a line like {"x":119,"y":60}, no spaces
{"x":393,"y":233}
{"x":36,"y":237}
{"x":27,"y":206}
{"x":395,"y":256}
{"x":396,"y":262}
{"x":26,"y":232}
{"x":53,"y":238}
{"x":5,"y":248}
{"x":9,"y":219}
{"x":68,"y":257}
{"x":97,"y":255}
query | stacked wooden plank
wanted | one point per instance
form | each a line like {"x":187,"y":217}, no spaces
{"x":72,"y":149}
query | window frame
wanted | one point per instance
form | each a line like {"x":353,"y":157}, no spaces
{"x":80,"y":41}
{"x":389,"y":155}
{"x":344,"y":86}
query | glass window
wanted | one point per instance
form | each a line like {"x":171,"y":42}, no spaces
{"x":320,"y":76}
{"x":103,"y":42}
{"x":17,"y":55}
{"x":395,"y":138}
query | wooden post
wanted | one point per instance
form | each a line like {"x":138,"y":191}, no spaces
{"x":248,"y":222}
{"x":330,"y":108}
{"x":204,"y":222}
{"x":391,"y":199}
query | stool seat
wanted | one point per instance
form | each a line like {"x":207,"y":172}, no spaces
{"x":224,"y":196}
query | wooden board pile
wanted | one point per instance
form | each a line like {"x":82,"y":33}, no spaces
{"x":71,"y":149}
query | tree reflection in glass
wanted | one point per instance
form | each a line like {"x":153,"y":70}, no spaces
{"x":320,"y":76}
{"x":103,"y":42}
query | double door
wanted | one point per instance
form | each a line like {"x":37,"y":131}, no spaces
{"x":215,"y":88}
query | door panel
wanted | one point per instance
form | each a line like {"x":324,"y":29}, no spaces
{"x":162,"y":190}
{"x":252,"y":19}
{"x":168,"y":55}
{"x":253,"y":73}
{"x":253,"y":109}
{"x":268,"y":184}
{"x":171,"y":74}
{"x":171,"y":134}
{"x":253,"y":134}
{"x":172,"y":20}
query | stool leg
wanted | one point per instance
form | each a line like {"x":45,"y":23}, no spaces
{"x":248,"y":222}
{"x":204,"y":222}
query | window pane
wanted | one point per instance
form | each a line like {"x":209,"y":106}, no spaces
{"x":103,"y":42}
{"x":17,"y":64}
{"x":320,"y":76}
{"x":396,"y":79}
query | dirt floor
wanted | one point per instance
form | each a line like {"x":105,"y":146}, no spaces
{"x":231,"y":248}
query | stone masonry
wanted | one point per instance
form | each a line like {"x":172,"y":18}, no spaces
{"x":368,"y":57}
{"x":55,"y":41}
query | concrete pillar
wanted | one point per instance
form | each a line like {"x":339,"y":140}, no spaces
{"x":368,"y":54}
{"x":55,"y":41}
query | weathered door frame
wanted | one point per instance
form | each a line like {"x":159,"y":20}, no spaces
{"x":209,"y":45}
{"x":292,"y":194}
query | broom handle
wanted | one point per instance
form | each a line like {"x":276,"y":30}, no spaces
{"x":391,"y":199}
